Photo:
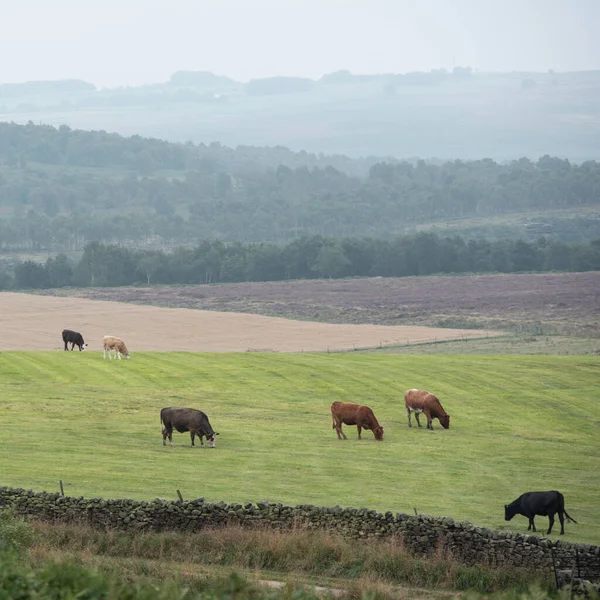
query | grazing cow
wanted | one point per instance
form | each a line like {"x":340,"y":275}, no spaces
{"x":349,"y":413}
{"x":539,"y":503}
{"x":420,"y":401}
{"x":186,"y":419}
{"x":74,"y":338}
{"x":117,"y":344}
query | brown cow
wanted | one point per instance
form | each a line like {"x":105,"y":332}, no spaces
{"x":420,"y":401}
{"x":349,"y":413}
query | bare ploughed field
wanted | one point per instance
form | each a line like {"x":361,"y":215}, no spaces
{"x":35,"y":322}
{"x":310,"y":315}
{"x":546,"y":303}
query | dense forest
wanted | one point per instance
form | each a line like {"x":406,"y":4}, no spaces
{"x":61,"y":189}
{"x":304,"y":258}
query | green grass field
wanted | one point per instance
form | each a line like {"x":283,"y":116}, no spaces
{"x":504,"y":345}
{"x":518,"y":424}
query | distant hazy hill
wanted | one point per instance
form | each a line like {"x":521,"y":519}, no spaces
{"x":448,"y":115}
{"x":202,"y":79}
{"x":65,"y":86}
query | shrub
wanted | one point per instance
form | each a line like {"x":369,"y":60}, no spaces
{"x":15,"y":533}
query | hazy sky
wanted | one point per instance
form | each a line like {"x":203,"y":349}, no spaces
{"x":120,"y":42}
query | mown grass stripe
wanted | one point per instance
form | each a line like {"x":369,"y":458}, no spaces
{"x":518,"y":424}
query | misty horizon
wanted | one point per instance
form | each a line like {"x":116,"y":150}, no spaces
{"x":136,"y":43}
{"x":286,"y":75}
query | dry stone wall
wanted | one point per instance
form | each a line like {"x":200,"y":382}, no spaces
{"x":421,"y":534}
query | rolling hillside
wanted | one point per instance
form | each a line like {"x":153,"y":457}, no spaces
{"x":518,"y":424}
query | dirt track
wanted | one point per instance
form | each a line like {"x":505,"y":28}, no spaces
{"x":30,"y":322}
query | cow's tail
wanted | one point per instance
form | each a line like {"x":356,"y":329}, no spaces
{"x":569,"y":517}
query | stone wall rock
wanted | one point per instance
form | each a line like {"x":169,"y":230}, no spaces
{"x":422,"y":534}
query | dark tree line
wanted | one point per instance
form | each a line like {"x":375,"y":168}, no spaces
{"x":252,"y":195}
{"x":62,"y":210}
{"x":22,"y":144}
{"x":304,"y":258}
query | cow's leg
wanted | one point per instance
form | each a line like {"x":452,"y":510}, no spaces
{"x":429,"y":419}
{"x":192,"y":435}
{"x":561,"y":518}
{"x":338,"y":429}
{"x":550,"y":523}
{"x":417,"y":418}
{"x":119,"y":355}
{"x":336,"y":426}
{"x":358,"y":428}
{"x":532,"y":524}
{"x":409,"y":418}
{"x":66,"y":346}
{"x":168,"y":432}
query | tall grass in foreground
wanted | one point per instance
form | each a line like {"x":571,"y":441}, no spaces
{"x":296,"y":553}
{"x":78,"y":562}
{"x":58,"y":580}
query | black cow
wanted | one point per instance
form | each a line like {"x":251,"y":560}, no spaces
{"x":539,"y":503}
{"x":186,"y":419}
{"x":74,"y":337}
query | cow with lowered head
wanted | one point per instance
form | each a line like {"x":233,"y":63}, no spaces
{"x":349,"y":413}
{"x":421,"y":401}
{"x":74,"y":338}
{"x":547,"y":504}
{"x":117,"y":345}
{"x":186,"y":419}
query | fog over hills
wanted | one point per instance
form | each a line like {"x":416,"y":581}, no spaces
{"x":435,"y":114}
{"x":384,"y":77}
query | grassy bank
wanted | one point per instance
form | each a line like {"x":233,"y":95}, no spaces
{"x":315,"y":558}
{"x":518,"y":424}
{"x":502,"y":345}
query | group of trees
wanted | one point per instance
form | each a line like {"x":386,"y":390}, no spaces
{"x":44,"y":144}
{"x":251,"y":194}
{"x":304,"y":258}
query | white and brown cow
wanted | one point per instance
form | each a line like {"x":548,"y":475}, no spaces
{"x":421,"y":401}
{"x":112,"y":343}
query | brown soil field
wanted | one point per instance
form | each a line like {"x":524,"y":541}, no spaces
{"x":35,"y":322}
{"x":539,"y":304}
